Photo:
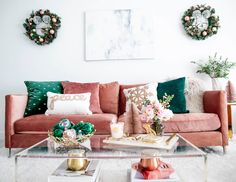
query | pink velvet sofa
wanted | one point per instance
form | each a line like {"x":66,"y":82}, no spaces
{"x":202,"y":129}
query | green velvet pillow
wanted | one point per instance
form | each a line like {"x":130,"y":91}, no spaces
{"x":174,"y":87}
{"x":37,"y":95}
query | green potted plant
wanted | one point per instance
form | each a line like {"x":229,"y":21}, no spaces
{"x":218,"y":69}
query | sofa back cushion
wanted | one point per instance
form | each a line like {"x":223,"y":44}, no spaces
{"x":109,"y":97}
{"x":122,"y":99}
{"x":78,"y":88}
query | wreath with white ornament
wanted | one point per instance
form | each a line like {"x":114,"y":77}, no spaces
{"x":42,"y":26}
{"x":200,"y":22}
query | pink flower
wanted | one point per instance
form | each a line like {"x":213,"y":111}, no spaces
{"x":166,"y":115}
{"x":155,"y":111}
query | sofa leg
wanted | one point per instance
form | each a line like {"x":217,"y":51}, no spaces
{"x":9,"y":152}
{"x":224,"y":149}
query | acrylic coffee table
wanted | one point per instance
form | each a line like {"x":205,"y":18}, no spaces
{"x":37,"y":162}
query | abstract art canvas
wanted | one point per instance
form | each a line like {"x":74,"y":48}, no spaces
{"x":119,"y":34}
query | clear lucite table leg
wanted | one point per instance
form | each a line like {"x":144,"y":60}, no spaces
{"x":16,"y":168}
{"x":205,"y":166}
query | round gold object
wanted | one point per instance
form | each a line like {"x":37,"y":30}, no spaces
{"x":149,"y":159}
{"x":77,"y":163}
{"x":149,"y":164}
{"x":54,"y":20}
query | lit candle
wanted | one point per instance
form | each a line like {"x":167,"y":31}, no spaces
{"x":117,"y":129}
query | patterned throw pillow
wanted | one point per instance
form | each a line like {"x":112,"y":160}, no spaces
{"x":194,"y":95}
{"x":37,"y":95}
{"x":68,"y":103}
{"x":137,"y":95}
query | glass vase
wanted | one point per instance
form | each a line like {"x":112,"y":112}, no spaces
{"x":158,"y":127}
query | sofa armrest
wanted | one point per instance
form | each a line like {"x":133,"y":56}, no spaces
{"x":216,"y":102}
{"x":14,"y":110}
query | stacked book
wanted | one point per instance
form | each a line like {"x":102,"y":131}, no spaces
{"x":90,"y":174}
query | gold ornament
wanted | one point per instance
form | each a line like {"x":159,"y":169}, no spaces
{"x":41,"y":12}
{"x":149,"y":130}
{"x":52,"y":31}
{"x":204,"y":33}
{"x":41,"y":39}
{"x":54,"y":20}
{"x":31,"y":34}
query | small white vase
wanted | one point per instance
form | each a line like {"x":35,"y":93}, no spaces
{"x":219,"y":83}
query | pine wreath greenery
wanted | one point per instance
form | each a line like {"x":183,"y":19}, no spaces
{"x":200,"y":22}
{"x":42,"y":26}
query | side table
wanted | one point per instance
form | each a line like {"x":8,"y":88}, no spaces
{"x":231,"y":108}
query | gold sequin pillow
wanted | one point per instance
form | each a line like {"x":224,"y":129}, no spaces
{"x":68,"y":103}
{"x":137,"y":95}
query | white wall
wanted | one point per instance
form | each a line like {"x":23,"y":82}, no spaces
{"x":21,"y":59}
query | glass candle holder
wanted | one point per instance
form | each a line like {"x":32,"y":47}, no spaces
{"x":78,"y":162}
{"x":117,"y":130}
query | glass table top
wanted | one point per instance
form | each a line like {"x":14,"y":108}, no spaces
{"x":44,"y":149}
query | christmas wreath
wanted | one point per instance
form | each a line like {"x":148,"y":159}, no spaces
{"x":68,"y":134}
{"x":42,"y":26}
{"x":200,"y":22}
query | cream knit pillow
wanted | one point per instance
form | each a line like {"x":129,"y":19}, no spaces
{"x":68,"y":103}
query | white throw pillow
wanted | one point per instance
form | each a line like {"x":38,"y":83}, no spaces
{"x":194,"y":90}
{"x":137,"y":95}
{"x":231,"y":91}
{"x":68,"y":103}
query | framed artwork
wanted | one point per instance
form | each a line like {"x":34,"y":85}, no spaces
{"x":119,"y":34}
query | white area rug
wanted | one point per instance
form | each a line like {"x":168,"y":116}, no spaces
{"x":221,"y":168}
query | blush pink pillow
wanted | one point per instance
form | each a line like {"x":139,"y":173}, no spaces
{"x":127,"y":119}
{"x":137,"y":122}
{"x":78,"y":88}
{"x":109,"y":97}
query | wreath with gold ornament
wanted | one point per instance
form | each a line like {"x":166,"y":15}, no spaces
{"x":42,"y":26}
{"x":200,"y":22}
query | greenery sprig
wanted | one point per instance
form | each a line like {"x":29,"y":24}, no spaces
{"x":215,"y":67}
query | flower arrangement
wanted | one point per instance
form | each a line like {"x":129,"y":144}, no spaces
{"x":156,"y":112}
{"x":68,"y":134}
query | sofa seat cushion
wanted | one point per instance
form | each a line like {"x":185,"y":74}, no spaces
{"x":193,"y":122}
{"x":42,"y":123}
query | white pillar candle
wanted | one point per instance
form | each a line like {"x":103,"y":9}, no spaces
{"x":117,"y":129}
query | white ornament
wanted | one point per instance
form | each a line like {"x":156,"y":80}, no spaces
{"x":214,"y":29}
